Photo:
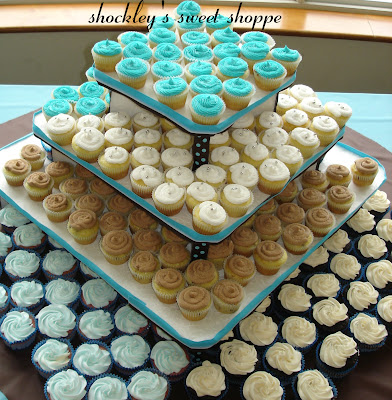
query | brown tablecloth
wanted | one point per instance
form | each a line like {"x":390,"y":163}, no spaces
{"x":370,"y":380}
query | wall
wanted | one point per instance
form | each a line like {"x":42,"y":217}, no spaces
{"x":335,"y":65}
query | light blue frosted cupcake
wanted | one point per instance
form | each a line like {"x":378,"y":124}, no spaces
{"x":188,"y":25}
{"x":253,"y":52}
{"x":186,"y":8}
{"x":167,"y":52}
{"x":224,"y":50}
{"x":257,"y":36}
{"x":164,"y":22}
{"x":232,"y":67}
{"x":92,"y":89}
{"x":130,"y":353}
{"x":106,"y":55}
{"x":161,"y":35}
{"x":195,"y":37}
{"x":63,"y":291}
{"x":126,"y":38}
{"x":57,"y":321}
{"x":237,"y":93}
{"x":95,"y":325}
{"x":197,"y":68}
{"x":166,"y":70}
{"x":107,"y":387}
{"x":226,"y":35}
{"x":207,"y":109}
{"x":90,"y":105}
{"x":21,"y":264}
{"x":290,"y":59}
{"x":90,"y":74}
{"x":59,"y":264}
{"x":197,"y":52}
{"x":11,"y":218}
{"x":269,"y":75}
{"x":218,"y":22}
{"x":206,"y":84}
{"x":96,"y":293}
{"x":128,"y":321}
{"x":133,"y":72}
{"x":65,"y":384}
{"x":29,"y":294}
{"x":67,"y":93}
{"x":55,"y":107}
{"x":149,"y":382}
{"x":6,"y":246}
{"x":138,"y":50}
{"x":171,"y":92}
{"x":4,"y":299}
{"x":29,"y":237}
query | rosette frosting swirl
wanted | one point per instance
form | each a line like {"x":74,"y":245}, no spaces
{"x":56,"y":321}
{"x":27,"y":293}
{"x":336,"y":349}
{"x":96,"y":324}
{"x":299,"y":332}
{"x":269,"y":69}
{"x":208,"y":104}
{"x":138,"y":50}
{"x":237,"y":357}
{"x":66,"y":385}
{"x":28,"y":235}
{"x":313,"y":385}
{"x":169,"y":357}
{"x":53,"y":355}
{"x":129,"y":321}
{"x":323,"y":285}
{"x":362,"y":295}
{"x":283,"y":357}
{"x":11,"y":217}
{"x":294,"y":298}
{"x":367,"y":329}
{"x":258,"y":329}
{"x":384,"y":230}
{"x":130,"y":351}
{"x":194,"y":298}
{"x":346,"y":266}
{"x":39,"y":180}
{"x":206,"y":84}
{"x":371,"y":246}
{"x":17,"y":326}
{"x":148,"y":385}
{"x":233,"y":67}
{"x":229,"y":291}
{"x":58,"y":261}
{"x":379,"y":274}
{"x":92,"y":359}
{"x":117,"y":242}
{"x":329,"y":311}
{"x":108,"y":388}
{"x":82,"y":219}
{"x":207,"y":380}
{"x":384,"y":308}
{"x":366,"y":165}
{"x":18,"y":166}
{"x":97,"y":293}
{"x":362,"y":221}
{"x":62,"y":291}
{"x":262,"y":385}
{"x":22,"y":263}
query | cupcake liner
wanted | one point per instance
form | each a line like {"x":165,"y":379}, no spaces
{"x":5,"y":306}
{"x":71,"y":334}
{"x":84,"y":239}
{"x":21,"y":344}
{"x":136,"y":83}
{"x":105,"y":375}
{"x":155,"y":371}
{"x":38,"y":249}
{"x":75,"y":304}
{"x":347,"y":249}
{"x":174,"y":102}
{"x":243,"y":281}
{"x":333,"y":387}
{"x":34,"y":308}
{"x":15,"y":278}
{"x":196,"y":315}
{"x":84,"y":338}
{"x":100,"y":344}
{"x":207,"y":120}
{"x":237,"y":102}
{"x":223,"y":307}
{"x":115,"y":259}
{"x":105,"y":63}
{"x":114,"y":171}
{"x":15,"y":180}
{"x":47,"y":374}
{"x":127,"y":371}
{"x":291,"y":66}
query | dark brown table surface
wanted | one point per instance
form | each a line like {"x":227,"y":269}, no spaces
{"x":371,"y":380}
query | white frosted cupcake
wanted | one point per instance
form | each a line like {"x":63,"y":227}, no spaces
{"x":244,"y":174}
{"x":241,"y":137}
{"x":61,"y":129}
{"x":145,"y":156}
{"x":273,"y":138}
{"x":198,"y":192}
{"x":177,"y":138}
{"x":174,"y":157}
{"x":312,"y":106}
{"x":211,"y":174}
{"x":267,"y":120}
{"x":88,"y":144}
{"x":181,"y":176}
{"x":220,"y":139}
{"x":254,"y":154}
{"x":236,"y":200}
{"x":117,"y":120}
{"x":290,"y":156}
{"x":273,"y":175}
{"x":209,"y":218}
{"x":224,"y":157}
{"x":285,"y":103}
{"x":326,"y":129}
{"x":305,"y":140}
{"x":169,"y":198}
{"x":119,"y":137}
{"x":248,"y":121}
{"x":90,"y":121}
{"x":148,"y":137}
{"x":145,"y":119}
{"x":340,"y":112}
{"x":114,"y":162}
{"x":300,"y":91}
{"x":144,"y":179}
{"x":295,"y":119}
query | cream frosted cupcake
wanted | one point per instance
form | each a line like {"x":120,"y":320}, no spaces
{"x":224,"y":157}
{"x":243,"y":174}
{"x":209,"y":218}
{"x":300,"y":91}
{"x":211,"y":174}
{"x":117,"y":120}
{"x":236,"y":200}
{"x":248,"y":121}
{"x":133,"y":72}
{"x":290,"y":156}
{"x":242,"y":137}
{"x":174,"y":157}
{"x":114,"y":162}
{"x":149,"y":138}
{"x":120,"y":137}
{"x":220,"y":139}
{"x":295,"y":119}
{"x":254,"y":154}
{"x":305,"y":140}
{"x":340,"y":112}
{"x":88,"y":144}
{"x":326,"y":129}
{"x":207,"y":109}
{"x":181,"y":176}
{"x":285,"y":103}
{"x":145,"y":119}
{"x":237,"y":93}
{"x":61,"y":129}
{"x":106,"y":55}
{"x":168,"y":198}
{"x":267,"y":120}
{"x":273,"y":175}
{"x":312,"y":106}
{"x":198,"y":192}
{"x":90,"y":121}
{"x":171,"y":92}
{"x":145,"y":156}
{"x":177,"y":138}
{"x":144,"y":179}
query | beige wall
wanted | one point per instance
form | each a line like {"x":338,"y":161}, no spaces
{"x":328,"y":64}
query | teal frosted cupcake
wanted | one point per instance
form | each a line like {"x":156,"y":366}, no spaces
{"x":269,"y":75}
{"x":224,"y":50}
{"x":59,"y":264}
{"x":107,"y":387}
{"x":171,"y":92}
{"x":67,"y":93}
{"x":257,"y":36}
{"x":190,"y":25}
{"x":197,"y":52}
{"x":63,"y":291}
{"x":253,"y":52}
{"x":133,"y":72}
{"x":166,"y":70}
{"x":65,"y":384}
{"x":90,"y":74}
{"x":237,"y":93}
{"x":186,"y":8}
{"x":29,"y":237}
{"x":28,"y":294}
{"x":55,"y":107}
{"x":167,"y":52}
{"x":129,"y":322}
{"x":232,"y":67}
{"x":90,"y":106}
{"x":218,"y":22}
{"x":161,"y":35}
{"x":21,"y":264}
{"x":164,"y":22}
{"x":57,"y":321}
{"x":290,"y":59}
{"x":197,"y":68}
{"x":106,"y":55}
{"x":206,"y":84}
{"x":207,"y":109}
{"x":149,"y":383}
{"x":95,"y":325}
{"x":97,"y":294}
{"x":226,"y":35}
{"x":92,"y":89}
{"x":126,"y":38}
{"x":138,"y":50}
{"x":195,"y":37}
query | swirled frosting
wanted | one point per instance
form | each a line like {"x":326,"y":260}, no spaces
{"x":97,"y":293}
{"x":207,"y":84}
{"x":256,"y":151}
{"x":371,"y":246}
{"x":118,"y":136}
{"x":269,"y":69}
{"x":116,"y":155}
{"x":384,"y":308}
{"x":258,"y":329}
{"x":5,"y":244}
{"x":181,"y":176}
{"x":65,"y":92}
{"x":226,"y":35}
{"x":211,"y":174}
{"x":301,"y":91}
{"x":263,"y":306}
{"x":90,"y":121}
{"x":329,"y":312}
{"x":237,"y":357}
{"x":89,"y":139}
{"x":379,"y":274}
{"x":129,"y":321}
{"x":262,"y":385}
{"x":27,"y":293}
{"x":270,"y":119}
{"x":195,"y":37}
{"x":138,"y":50}
{"x":242,"y":135}
{"x":92,"y":359}
{"x":57,"y":106}
{"x":366,"y":166}
{"x":305,"y":137}
{"x":167,"y":52}
{"x":296,"y":117}
{"x":233,"y":67}
{"x":130,"y":351}
{"x":66,"y":385}
{"x":337,"y":242}
{"x":286,"y":101}
{"x":39,"y":180}
{"x":325,"y":124}
{"x":96,"y":324}
{"x":148,"y":385}
{"x":323,"y":285}
{"x":11,"y":217}
{"x":166,"y":69}
{"x":338,"y":109}
{"x":178,"y":138}
{"x":133,"y":67}
{"x":255,"y":50}
{"x":21,"y":263}
{"x":82,"y":219}
{"x":285,"y":54}
{"x":61,"y":291}
{"x":346,"y":266}
{"x":225,"y":155}
{"x":108,"y":388}
{"x":238,"y":87}
{"x":237,"y":194}
{"x":312,"y":105}
{"x":3,"y":296}
{"x":223,"y":50}
{"x":60,"y":124}
{"x":283,"y":357}
{"x":90,"y":105}
{"x":294,"y":298}
{"x":117,"y":119}
{"x":212,"y":213}
{"x":92,"y":89}
{"x":123,"y":205}
{"x":362,"y":221}
{"x":169,"y":357}
{"x":201,"y":191}
{"x":274,"y":170}
{"x":219,"y":22}
{"x":133,"y":36}
{"x":207,"y":380}
{"x":107,"y":48}
{"x":149,"y":175}
{"x":313,"y":385}
{"x":377,"y":202}
{"x":56,"y":321}
{"x":361,"y":295}
{"x":173,"y":157}
{"x":291,"y":213}
{"x":208,"y":105}
{"x":275,"y":137}
{"x":197,"y":68}
{"x":367,"y":329}
{"x":58,"y":261}
{"x":52,"y":355}
{"x":198,"y":52}
{"x":169,"y":193}
{"x":170,"y":87}
{"x":289,"y":154}
{"x":318,"y":257}
{"x":384,"y":230}
{"x":31,"y":152}
{"x":299,"y":332}
{"x":201,"y":272}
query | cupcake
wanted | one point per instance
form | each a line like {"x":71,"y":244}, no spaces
{"x":262,"y":383}
{"x":268,"y":120}
{"x":185,"y":25}
{"x":92,"y":89}
{"x":377,"y":204}
{"x":116,"y":246}
{"x":290,"y":59}
{"x":15,"y":171}
{"x":90,"y":105}
{"x":339,"y":242}
{"x":96,"y":293}
{"x":254,"y":52}
{"x":38,"y":185}
{"x":59,"y":171}
{"x":161,"y":35}
{"x":340,"y":112}
{"x":294,"y":118}
{"x":139,"y":219}
{"x":274,"y":138}
{"x":108,"y":386}
{"x":147,"y":240}
{"x":201,"y":273}
{"x":88,"y":144}
{"x":227,"y":295}
{"x":145,"y":119}
{"x":143,"y":265}
{"x":181,"y":176}
{"x":125,"y":38}
{"x":232,"y":67}
{"x":174,"y":255}
{"x":90,"y":121}
{"x":224,"y":50}
{"x":59,"y":264}
{"x":83,"y":226}
{"x":320,"y":221}
{"x":206,"y":84}
{"x":177,"y":138}
{"x":144,"y":179}
{"x":121,"y":204}
{"x":209,"y":218}
{"x":29,"y":237}
{"x":240,"y":269}
{"x":114,"y":162}
{"x":268,"y":208}
{"x":63,"y":291}
{"x":57,"y":321}
{"x":11,"y":218}
{"x":268,"y":227}
{"x":340,"y":199}
{"x":217,"y":253}
{"x":194,"y":302}
{"x":95,"y":325}
{"x":198,"y":68}
{"x":74,"y":187}
{"x":237,"y":93}
{"x":55,"y":107}
{"x":91,"y":202}
{"x":133,"y":72}
{"x":312,"y":383}
{"x":236,"y":199}
{"x":273,"y":176}
{"x":360,"y":296}
{"x":379,"y":275}
{"x":245,"y":241}
{"x":285,"y":103}
{"x":254,"y":154}
{"x":269,"y":75}
{"x":293,"y":300}
{"x":174,"y":157}
{"x":119,"y":137}
{"x":288,"y":194}
{"x":211,"y":174}
{"x":290,"y":213}
{"x":22,"y":264}
{"x":28,"y":294}
{"x":305,"y":140}
{"x":166,"y":70}
{"x":269,"y":256}
{"x":330,"y":316}
{"x":167,"y":283}
{"x":322,"y":285}
{"x":317,"y":261}
{"x":167,"y":52}
{"x":171,"y":92}
{"x":197,"y":52}
{"x":65,"y":383}
{"x":168,"y":198}
{"x":364,"y":171}
{"x":312,"y":106}
{"x":301,"y":91}
{"x":219,"y":22}
{"x":137,"y":50}
{"x":196,"y":37}
{"x":326,"y":129}
{"x":369,"y":248}
{"x":145,"y":156}
{"x":311,"y":198}
{"x":346,"y":267}
{"x":297,"y":238}
{"x":243,"y":174}
{"x":300,"y":333}
{"x":257,"y":36}
{"x":361,"y":222}
{"x":187,"y":8}
{"x":225,"y":35}
{"x":106,"y":55}
{"x":290,"y":156}
{"x":149,"y":382}
{"x":128,"y":321}
{"x":224,"y":157}
{"x":242,"y":137}
{"x":84,"y":173}
{"x":207,"y":109}
{"x":65,"y":92}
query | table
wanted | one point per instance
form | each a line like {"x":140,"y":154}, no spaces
{"x":371,"y":379}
